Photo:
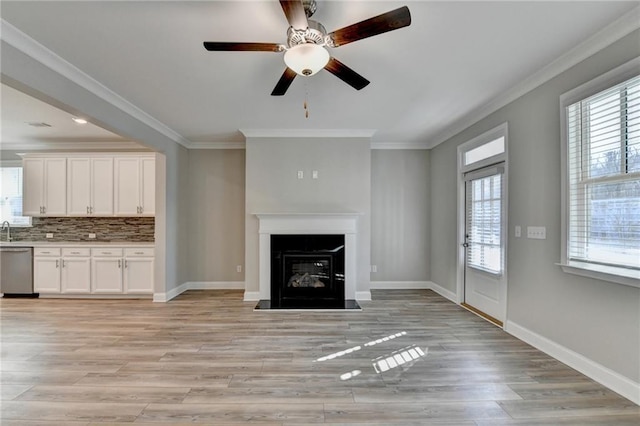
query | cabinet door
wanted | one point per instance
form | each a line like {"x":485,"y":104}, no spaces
{"x":148,"y":186}
{"x":76,"y":275}
{"x":106,"y":275}
{"x":55,"y":186}
{"x":138,"y":275}
{"x":102,"y":186}
{"x":78,"y":186}
{"x":127,"y":186}
{"x":46,"y":275}
{"x":32,"y":186}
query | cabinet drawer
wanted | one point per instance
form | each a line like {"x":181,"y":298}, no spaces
{"x":107,"y":252}
{"x":71,"y":252}
{"x":138,"y":252}
{"x":46,"y":251}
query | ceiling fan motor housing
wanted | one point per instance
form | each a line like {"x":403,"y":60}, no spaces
{"x":315,"y":33}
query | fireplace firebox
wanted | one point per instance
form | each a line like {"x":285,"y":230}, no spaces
{"x":307,"y":271}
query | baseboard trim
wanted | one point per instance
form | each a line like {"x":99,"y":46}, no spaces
{"x":251,"y":296}
{"x":446,"y":293}
{"x":601,"y":374}
{"x":414,"y":285}
{"x":198,"y":285}
{"x":364,"y":296}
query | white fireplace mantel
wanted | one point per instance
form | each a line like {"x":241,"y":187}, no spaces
{"x":307,"y":224}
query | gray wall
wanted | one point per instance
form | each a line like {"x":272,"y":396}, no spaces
{"x":400,"y":204}
{"x":344,"y":185}
{"x":597,"y":319}
{"x":216,"y":221}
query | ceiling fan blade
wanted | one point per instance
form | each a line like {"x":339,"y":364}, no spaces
{"x":346,"y":74}
{"x":294,"y":11}
{"x":389,"y":21}
{"x":223,"y":46}
{"x":284,"y":82}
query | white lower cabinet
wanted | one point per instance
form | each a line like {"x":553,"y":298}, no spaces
{"x":97,"y":270}
{"x":107,"y":272}
{"x":76,"y":270}
{"x":46,"y":270}
{"x":138,"y":271}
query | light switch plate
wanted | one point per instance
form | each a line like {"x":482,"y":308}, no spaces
{"x":537,"y":232}
{"x":314,"y":174}
{"x":518,"y":231}
{"x":300,"y":174}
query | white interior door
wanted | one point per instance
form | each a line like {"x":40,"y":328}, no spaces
{"x":484,"y":274}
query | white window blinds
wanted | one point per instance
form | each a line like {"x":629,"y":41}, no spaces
{"x":484,"y":222}
{"x":603,"y":134}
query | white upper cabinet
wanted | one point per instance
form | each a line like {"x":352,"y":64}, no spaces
{"x":90,"y":186}
{"x":44,"y":187}
{"x":135,"y":186}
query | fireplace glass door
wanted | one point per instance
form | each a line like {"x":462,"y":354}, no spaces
{"x":307,"y":272}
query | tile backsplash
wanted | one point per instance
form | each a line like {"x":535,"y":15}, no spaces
{"x":134,"y":229}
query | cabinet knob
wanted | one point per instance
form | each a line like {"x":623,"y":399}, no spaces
{"x":57,"y":263}
{"x":87,"y":209}
{"x":125,"y":263}
{"x":119,"y":263}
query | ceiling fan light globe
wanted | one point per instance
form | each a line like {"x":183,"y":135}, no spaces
{"x":306,"y":59}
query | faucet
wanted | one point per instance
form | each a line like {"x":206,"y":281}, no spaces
{"x":5,"y":224}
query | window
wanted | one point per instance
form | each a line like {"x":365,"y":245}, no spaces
{"x":602,"y":223}
{"x":11,"y":196}
{"x":484,"y":222}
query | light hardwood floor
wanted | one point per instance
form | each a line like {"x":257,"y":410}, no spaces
{"x":206,"y":357}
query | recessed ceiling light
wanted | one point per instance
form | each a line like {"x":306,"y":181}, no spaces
{"x":79,"y":120}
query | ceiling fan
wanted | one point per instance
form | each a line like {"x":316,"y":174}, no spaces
{"x":305,"y":52}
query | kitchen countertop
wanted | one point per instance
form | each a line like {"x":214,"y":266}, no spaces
{"x":76,"y":244}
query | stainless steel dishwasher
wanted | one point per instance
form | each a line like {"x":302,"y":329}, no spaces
{"x":16,"y":271}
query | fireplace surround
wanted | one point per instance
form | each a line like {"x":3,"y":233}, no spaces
{"x":342,"y":225}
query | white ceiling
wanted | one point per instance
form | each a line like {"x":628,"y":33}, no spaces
{"x":455,"y":58}
{"x":19,"y":109}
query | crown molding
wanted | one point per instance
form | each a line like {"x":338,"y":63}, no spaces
{"x":603,"y":38}
{"x":399,"y":145}
{"x":81,"y":146}
{"x":307,"y":133}
{"x":217,"y":145}
{"x":30,"y":47}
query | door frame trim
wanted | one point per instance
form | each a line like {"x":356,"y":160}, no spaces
{"x":496,"y":132}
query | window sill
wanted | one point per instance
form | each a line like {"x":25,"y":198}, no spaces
{"x":622,"y":276}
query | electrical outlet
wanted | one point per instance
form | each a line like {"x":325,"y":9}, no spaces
{"x":239,"y":268}
{"x":314,"y":174}
{"x":374,"y":268}
{"x":92,"y":236}
{"x":49,"y":235}
{"x":300,"y":174}
{"x":518,"y":231}
{"x":537,"y":232}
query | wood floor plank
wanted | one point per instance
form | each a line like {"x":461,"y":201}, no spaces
{"x":207,"y":357}
{"x":64,"y":412}
{"x":425,"y":394}
{"x":269,"y":395}
{"x":414,"y":411}
{"x":88,"y":394}
{"x":219,"y":413}
{"x":159,"y":379}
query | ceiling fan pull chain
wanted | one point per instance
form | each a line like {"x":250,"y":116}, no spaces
{"x":306,"y":98}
